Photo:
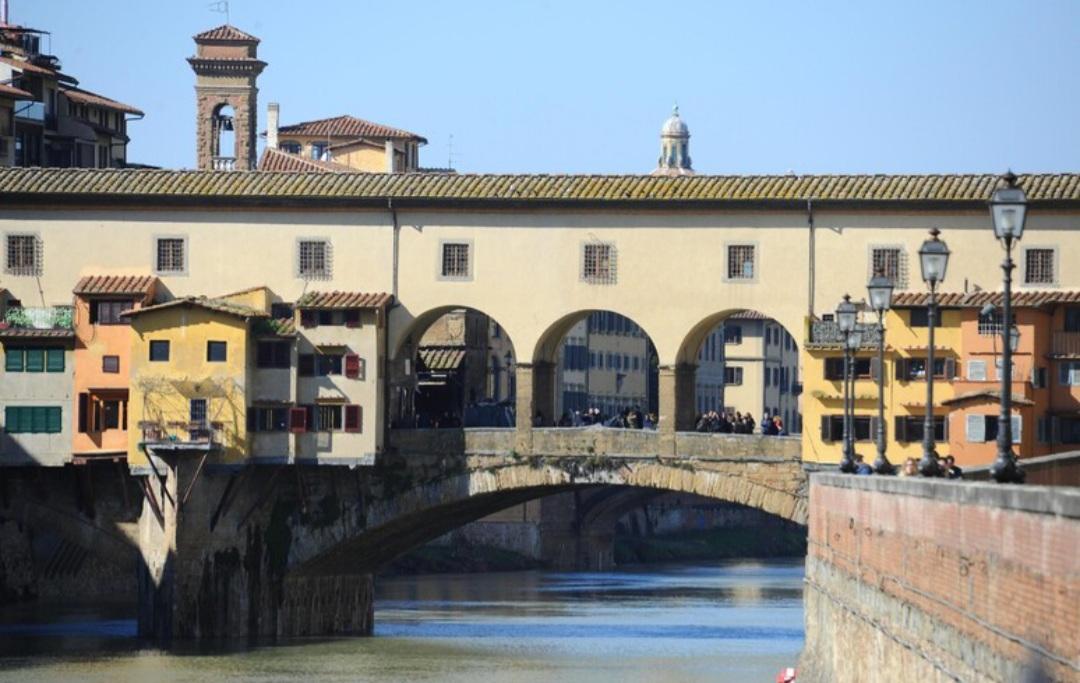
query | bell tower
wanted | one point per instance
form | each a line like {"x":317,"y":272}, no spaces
{"x":226,"y":67}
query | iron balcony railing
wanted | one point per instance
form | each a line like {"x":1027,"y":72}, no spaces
{"x":45,"y":318}
{"x":180,"y":434}
{"x":828,"y":332}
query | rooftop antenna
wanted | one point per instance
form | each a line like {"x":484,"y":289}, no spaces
{"x":221,"y":7}
{"x":450,"y":152}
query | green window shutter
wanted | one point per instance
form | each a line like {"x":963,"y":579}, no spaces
{"x":54,"y":360}
{"x":53,"y":420}
{"x":11,"y":419}
{"x":35,"y":360}
{"x":39,"y":421}
{"x":13,"y":359}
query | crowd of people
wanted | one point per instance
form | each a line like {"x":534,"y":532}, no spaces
{"x":946,"y":465}
{"x":628,"y":418}
{"x":739,"y":423}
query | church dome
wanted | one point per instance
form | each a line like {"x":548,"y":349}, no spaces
{"x":675,"y":126}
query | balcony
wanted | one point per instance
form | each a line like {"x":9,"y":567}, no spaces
{"x":58,"y":318}
{"x":29,"y":110}
{"x":827,"y":333}
{"x":223,"y":163}
{"x":181,"y":436}
{"x":1066,"y":344}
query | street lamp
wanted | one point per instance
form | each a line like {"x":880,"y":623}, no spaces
{"x":880,"y":289}
{"x":509,"y":360}
{"x":1008,"y":209}
{"x":934,"y":260}
{"x":846,"y":314}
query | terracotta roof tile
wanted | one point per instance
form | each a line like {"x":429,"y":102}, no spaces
{"x":225,"y":33}
{"x":346,"y":126}
{"x":275,"y":160}
{"x":1026,"y":298}
{"x":134,"y":285}
{"x":80,"y":96}
{"x":34,"y":333}
{"x":13,"y":92}
{"x":989,"y":394}
{"x":442,"y":357}
{"x":276,"y":327}
{"x":344,"y":300}
{"x":116,"y":183}
{"x":218,"y":305}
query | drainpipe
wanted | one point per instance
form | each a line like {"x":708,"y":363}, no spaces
{"x":388,"y":390}
{"x":810,"y":284}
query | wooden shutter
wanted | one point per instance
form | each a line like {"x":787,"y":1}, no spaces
{"x":901,"y":365}
{"x":826,"y":428}
{"x":1042,"y":430}
{"x":875,"y":368}
{"x":901,"y":428}
{"x":298,"y":422}
{"x":352,"y":366}
{"x":1055,"y":429}
{"x":14,"y":359}
{"x":950,"y":368}
{"x":84,"y":399}
{"x":976,"y":428}
{"x":945,"y":428}
{"x":873,"y":428}
{"x":1017,"y":427}
{"x":353,"y":418}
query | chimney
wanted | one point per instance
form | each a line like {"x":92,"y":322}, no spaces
{"x":389,"y":156}
{"x":272,"y":111}
{"x":3,"y":11}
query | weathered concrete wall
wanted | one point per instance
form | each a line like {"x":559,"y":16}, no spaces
{"x":924,"y":580}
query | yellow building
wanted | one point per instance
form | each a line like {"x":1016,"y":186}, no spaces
{"x":189,"y":374}
{"x":906,"y":334}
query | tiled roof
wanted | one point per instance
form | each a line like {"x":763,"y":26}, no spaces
{"x":34,"y":333}
{"x":363,"y":142}
{"x":989,"y":394}
{"x":28,"y":66}
{"x":344,"y":300}
{"x":225,"y":33}
{"x":1027,"y":297}
{"x":276,"y":327}
{"x":135,"y":285}
{"x":203,"y":302}
{"x":442,"y":357}
{"x":114,"y":184}
{"x":80,"y":96}
{"x":347,"y":126}
{"x":748,"y":315}
{"x":279,"y":161}
{"x":13,"y":92}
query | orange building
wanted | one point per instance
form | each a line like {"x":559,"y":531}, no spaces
{"x":102,"y":361}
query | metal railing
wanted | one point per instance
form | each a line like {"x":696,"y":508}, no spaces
{"x":47,"y":318}
{"x":223,"y":163}
{"x":1065,"y":343}
{"x":828,"y":332}
{"x":180,"y":433}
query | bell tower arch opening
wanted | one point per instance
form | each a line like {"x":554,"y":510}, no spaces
{"x":226,"y":67}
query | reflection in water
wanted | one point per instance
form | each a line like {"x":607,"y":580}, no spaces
{"x":738,"y":621}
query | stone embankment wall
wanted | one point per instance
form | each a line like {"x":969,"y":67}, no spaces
{"x":928,"y":580}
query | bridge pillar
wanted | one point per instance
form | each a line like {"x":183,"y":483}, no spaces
{"x":535,"y":397}
{"x":676,"y":403}
{"x":216,"y":548}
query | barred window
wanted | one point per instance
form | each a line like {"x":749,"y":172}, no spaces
{"x":313,"y":259}
{"x":1039,"y":267}
{"x":599,"y":264}
{"x":991,"y":322}
{"x":740,"y":265}
{"x":170,"y":256}
{"x":23,"y":254}
{"x":890,"y":262}
{"x":455,"y":259}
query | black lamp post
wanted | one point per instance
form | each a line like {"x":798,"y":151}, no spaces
{"x":1008,"y":208}
{"x":880,"y":289}
{"x":846,"y":316}
{"x":934,"y":260}
{"x":510,"y":393}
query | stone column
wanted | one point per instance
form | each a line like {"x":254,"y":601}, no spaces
{"x":523,"y":407}
{"x":676,"y":403}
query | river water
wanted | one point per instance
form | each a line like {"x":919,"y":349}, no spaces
{"x":724,"y":621}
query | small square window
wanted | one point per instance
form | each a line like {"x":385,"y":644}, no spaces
{"x":159,"y":350}
{"x":23,"y":254}
{"x":890,"y":262}
{"x":1039,"y":267}
{"x":170,"y":255}
{"x":741,"y":265}
{"x":455,"y":260}
{"x":215,"y":351}
{"x":108,"y":312}
{"x":110,"y":364}
{"x":599,"y":264}
{"x":313,"y":261}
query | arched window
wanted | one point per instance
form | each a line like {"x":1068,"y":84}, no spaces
{"x":224,"y":138}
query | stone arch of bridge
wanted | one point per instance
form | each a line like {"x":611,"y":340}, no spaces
{"x":399,"y":521}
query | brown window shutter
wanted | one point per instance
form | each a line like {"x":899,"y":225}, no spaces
{"x":826,"y":428}
{"x":945,"y":428}
{"x":84,"y":407}
{"x":901,"y":368}
{"x":353,"y":418}
{"x":901,"y":428}
{"x":950,"y":368}
{"x":298,"y":420}
{"x":352,"y":366}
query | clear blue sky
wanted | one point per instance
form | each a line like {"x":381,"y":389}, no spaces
{"x":582,"y":87}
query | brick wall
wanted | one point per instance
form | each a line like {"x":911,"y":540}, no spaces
{"x":911,"y":579}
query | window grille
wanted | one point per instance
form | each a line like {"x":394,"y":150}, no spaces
{"x":741,"y":264}
{"x":314,"y":260}
{"x":455,"y":260}
{"x":991,"y":324}
{"x":599,"y":264}
{"x":1039,"y":267}
{"x":890,"y":262}
{"x":170,"y":255}
{"x":24,"y":255}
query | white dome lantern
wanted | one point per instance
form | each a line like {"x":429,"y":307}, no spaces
{"x":674,"y":147}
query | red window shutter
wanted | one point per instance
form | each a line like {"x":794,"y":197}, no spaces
{"x":298,"y":420}
{"x":353,"y":418}
{"x":309,"y":318}
{"x":352,"y":366}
